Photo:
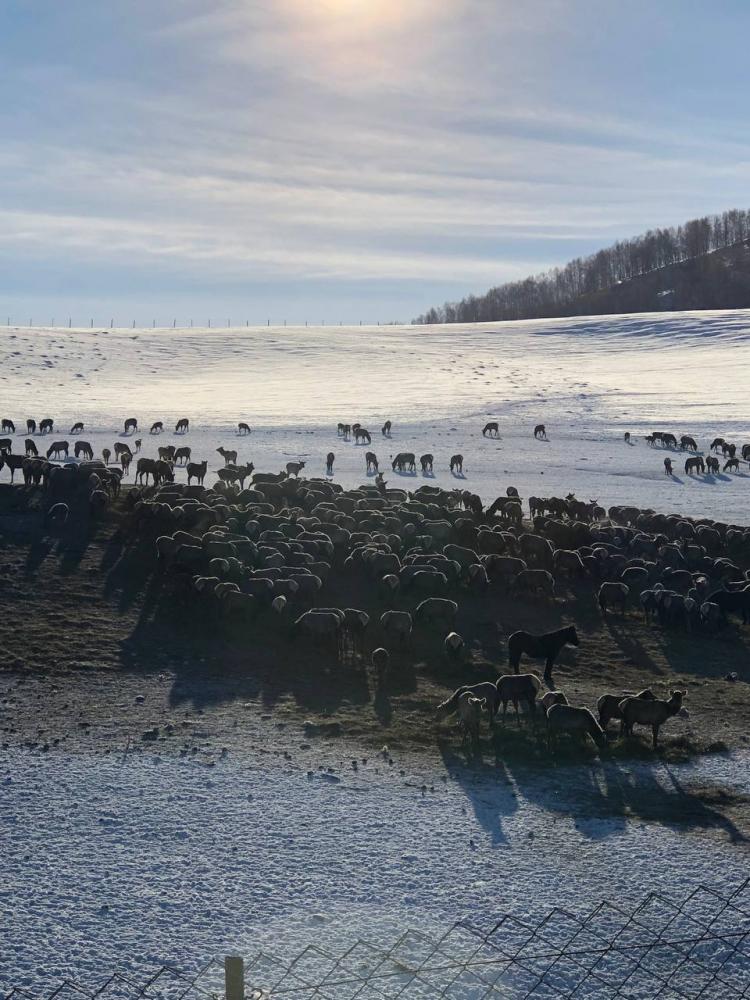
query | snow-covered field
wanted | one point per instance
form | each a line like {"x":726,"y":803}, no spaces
{"x":110,"y":864}
{"x":589,"y":380}
{"x":113,"y":863}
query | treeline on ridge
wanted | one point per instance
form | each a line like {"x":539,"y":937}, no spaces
{"x":702,"y":264}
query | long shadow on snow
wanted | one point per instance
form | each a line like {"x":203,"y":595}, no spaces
{"x":487,"y":786}
{"x":588,"y":792}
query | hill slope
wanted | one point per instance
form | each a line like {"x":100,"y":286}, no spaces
{"x":703,"y":264}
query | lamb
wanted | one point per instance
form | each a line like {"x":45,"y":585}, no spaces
{"x":570,"y":719}
{"x":613,"y":595}
{"x":470,"y":710}
{"x":654,"y":713}
{"x":485,"y":690}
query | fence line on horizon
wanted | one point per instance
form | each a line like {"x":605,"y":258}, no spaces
{"x":188,"y":325}
{"x":659,"y":949}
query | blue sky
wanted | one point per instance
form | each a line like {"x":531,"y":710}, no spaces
{"x":341,"y":160}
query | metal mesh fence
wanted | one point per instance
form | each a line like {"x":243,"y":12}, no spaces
{"x":661,"y":949}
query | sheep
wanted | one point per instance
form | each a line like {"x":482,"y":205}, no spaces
{"x":534,"y":581}
{"x":235,"y":602}
{"x":550,"y":698}
{"x":608,"y":706}
{"x":470,"y":710}
{"x":710,"y":616}
{"x":57,"y":515}
{"x":380,"y":659}
{"x":571,"y":719}
{"x":197,"y":470}
{"x":454,"y":646}
{"x":319,"y":623}
{"x":399,"y":623}
{"x":438,"y":609}
{"x":613,"y":594}
{"x":654,"y":713}
{"x":389,"y":584}
{"x":518,"y":688}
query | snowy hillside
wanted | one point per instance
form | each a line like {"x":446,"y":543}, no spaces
{"x":589,"y":380}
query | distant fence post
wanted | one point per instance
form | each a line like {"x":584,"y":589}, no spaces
{"x":234,"y":978}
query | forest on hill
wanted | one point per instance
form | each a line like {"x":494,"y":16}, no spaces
{"x":702,"y":264}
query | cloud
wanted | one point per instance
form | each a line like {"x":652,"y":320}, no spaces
{"x":337,"y":140}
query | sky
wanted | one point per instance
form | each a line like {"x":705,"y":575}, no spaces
{"x":348,"y":160}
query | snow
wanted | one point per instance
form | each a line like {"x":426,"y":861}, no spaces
{"x":124,"y":863}
{"x":110,"y":863}
{"x":589,"y":379}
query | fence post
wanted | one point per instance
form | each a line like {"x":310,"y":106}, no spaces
{"x":234,"y":978}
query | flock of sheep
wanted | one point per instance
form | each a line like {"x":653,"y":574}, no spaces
{"x":696,"y":463}
{"x":266,"y":544}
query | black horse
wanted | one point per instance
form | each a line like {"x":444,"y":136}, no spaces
{"x":540,"y":647}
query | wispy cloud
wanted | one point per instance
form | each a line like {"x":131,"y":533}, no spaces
{"x":343,"y":141}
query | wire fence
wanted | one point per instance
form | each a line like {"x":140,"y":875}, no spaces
{"x":175,"y":324}
{"x":660,"y":949}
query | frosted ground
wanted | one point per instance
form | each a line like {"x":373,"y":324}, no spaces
{"x":589,"y":380}
{"x":125,"y":863}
